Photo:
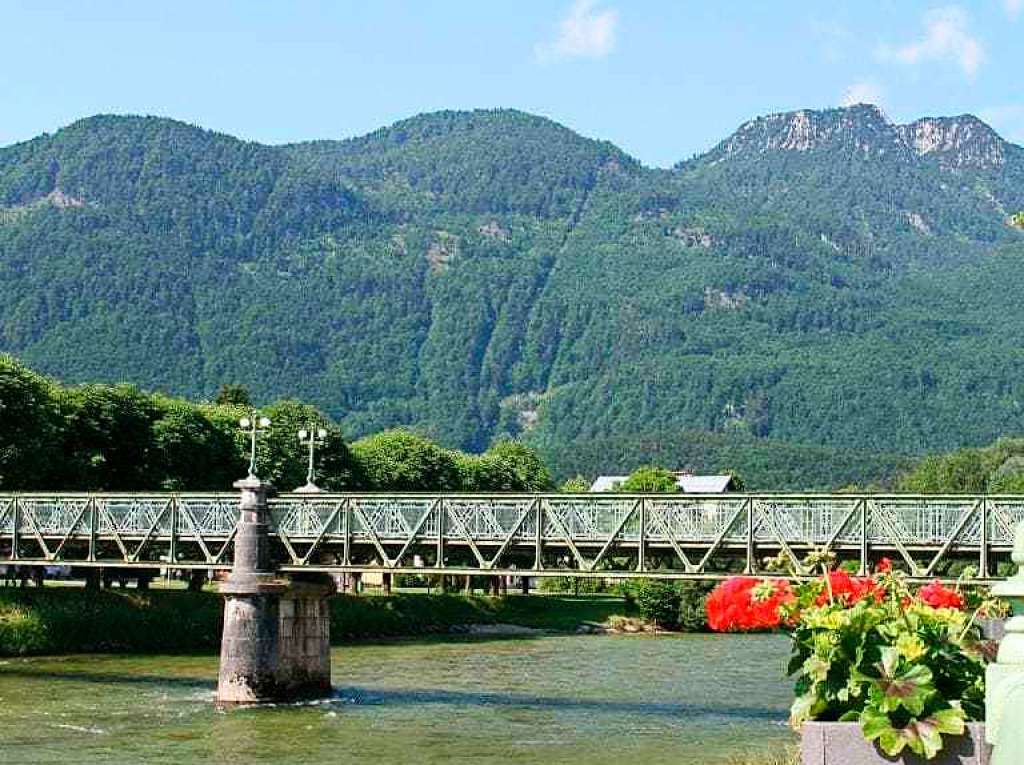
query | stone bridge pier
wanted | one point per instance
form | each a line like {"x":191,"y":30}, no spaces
{"x":276,"y":641}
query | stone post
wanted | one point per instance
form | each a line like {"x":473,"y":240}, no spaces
{"x":276,"y":640}
{"x":1004,"y":680}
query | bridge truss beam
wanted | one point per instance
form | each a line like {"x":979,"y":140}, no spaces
{"x":606,"y":535}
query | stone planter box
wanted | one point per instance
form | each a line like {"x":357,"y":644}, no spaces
{"x":832,"y":743}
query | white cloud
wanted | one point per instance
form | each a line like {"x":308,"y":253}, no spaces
{"x":586,"y":31}
{"x":862,"y":93}
{"x":946,"y":38}
{"x":1013,"y":7}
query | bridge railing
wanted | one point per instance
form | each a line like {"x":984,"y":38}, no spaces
{"x":688,"y":534}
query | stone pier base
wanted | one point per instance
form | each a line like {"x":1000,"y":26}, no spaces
{"x":276,"y":642}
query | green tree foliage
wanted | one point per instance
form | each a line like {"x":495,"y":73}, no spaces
{"x":658,"y":602}
{"x":400,"y":460}
{"x":650,"y":478}
{"x":998,"y":468}
{"x":193,"y":451}
{"x":739,"y":483}
{"x":116,"y":438}
{"x":29,"y":427}
{"x":763,"y":464}
{"x":576,"y":485}
{"x":108,"y":442}
{"x":231,"y":394}
{"x":507,"y":466}
{"x":530,"y":471}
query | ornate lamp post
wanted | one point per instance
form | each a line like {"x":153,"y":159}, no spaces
{"x":253,"y":425}
{"x":311,"y":437}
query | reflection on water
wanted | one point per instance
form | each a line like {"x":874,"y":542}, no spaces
{"x":593,"y":699}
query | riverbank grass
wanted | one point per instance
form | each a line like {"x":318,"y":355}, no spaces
{"x":54,"y":620}
{"x":57,"y":620}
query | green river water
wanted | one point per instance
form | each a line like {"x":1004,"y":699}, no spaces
{"x":578,"y":699}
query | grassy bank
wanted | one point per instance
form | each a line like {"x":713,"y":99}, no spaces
{"x":54,"y":620}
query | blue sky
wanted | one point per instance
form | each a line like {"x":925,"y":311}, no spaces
{"x":662,"y":79}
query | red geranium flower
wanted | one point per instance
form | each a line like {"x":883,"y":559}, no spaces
{"x":848,"y":590}
{"x":884,"y":566}
{"x":743,"y":603}
{"x":937,"y":595}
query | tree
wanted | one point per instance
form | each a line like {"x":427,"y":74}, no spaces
{"x":108,"y":438}
{"x":658,"y":602}
{"x":530,"y":471}
{"x":1017,"y":220}
{"x":575,"y":485}
{"x":738,"y":484}
{"x":998,"y":468}
{"x":486,"y":473}
{"x":192,"y":452}
{"x":233,"y":394}
{"x":963,"y":471}
{"x":400,"y":460}
{"x":650,"y":478}
{"x":29,"y":427}
{"x":1008,"y":478}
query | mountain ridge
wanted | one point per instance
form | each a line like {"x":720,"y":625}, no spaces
{"x":487,"y":272}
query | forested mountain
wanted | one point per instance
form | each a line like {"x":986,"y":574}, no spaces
{"x":824,"y":278}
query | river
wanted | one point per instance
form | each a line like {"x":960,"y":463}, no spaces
{"x":584,"y":699}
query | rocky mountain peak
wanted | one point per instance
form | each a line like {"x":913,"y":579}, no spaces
{"x":861,"y":129}
{"x":956,"y":142}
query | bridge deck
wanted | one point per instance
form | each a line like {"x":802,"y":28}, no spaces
{"x":563,"y":534}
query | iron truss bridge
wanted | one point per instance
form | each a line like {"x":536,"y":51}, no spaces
{"x":607,"y":535}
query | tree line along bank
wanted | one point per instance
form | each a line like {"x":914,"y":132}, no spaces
{"x":99,"y":437}
{"x":116,"y":438}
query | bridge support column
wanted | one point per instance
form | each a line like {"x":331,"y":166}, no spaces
{"x":276,"y":640}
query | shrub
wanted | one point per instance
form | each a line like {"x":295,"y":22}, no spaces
{"x":693,"y":606}
{"x":574,"y":584}
{"x":658,"y":602}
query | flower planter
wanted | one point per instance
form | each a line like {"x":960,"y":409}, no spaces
{"x":834,"y":743}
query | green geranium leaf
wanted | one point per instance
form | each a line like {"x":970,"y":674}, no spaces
{"x":874,"y":723}
{"x":890,"y":660}
{"x":910,"y":690}
{"x":949,"y":721}
{"x":892,"y":742}
{"x":926,"y":736}
{"x":816,"y":668}
{"x":923,"y":737}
